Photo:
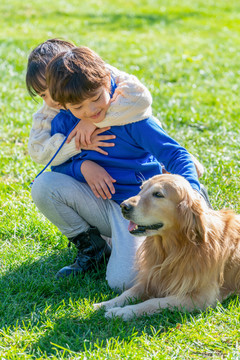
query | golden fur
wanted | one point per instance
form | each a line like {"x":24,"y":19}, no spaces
{"x":192,"y":261}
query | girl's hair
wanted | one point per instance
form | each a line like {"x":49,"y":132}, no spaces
{"x":38,"y":61}
{"x":75,"y":75}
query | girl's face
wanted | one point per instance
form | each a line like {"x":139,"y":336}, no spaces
{"x":48,"y":100}
{"x":93,"y":109}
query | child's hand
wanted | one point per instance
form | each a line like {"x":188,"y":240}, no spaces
{"x":82,"y":132}
{"x":116,"y":93}
{"x":100,"y":182}
{"x":98,"y":141}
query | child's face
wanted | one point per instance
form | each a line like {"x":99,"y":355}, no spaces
{"x":93,"y":109}
{"x":48,"y":100}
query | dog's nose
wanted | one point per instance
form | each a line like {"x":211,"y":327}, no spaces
{"x":126,"y":207}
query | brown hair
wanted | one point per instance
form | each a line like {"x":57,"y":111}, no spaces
{"x":38,"y":61}
{"x":75,"y":75}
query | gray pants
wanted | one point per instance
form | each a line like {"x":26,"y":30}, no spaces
{"x":72,"y":207}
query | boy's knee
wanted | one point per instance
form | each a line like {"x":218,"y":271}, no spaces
{"x":41,"y":188}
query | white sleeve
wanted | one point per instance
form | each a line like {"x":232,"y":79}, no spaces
{"x":131,"y":101}
{"x":42,"y":146}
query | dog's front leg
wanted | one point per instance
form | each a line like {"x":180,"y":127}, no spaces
{"x":150,"y":307}
{"x":130,"y":294}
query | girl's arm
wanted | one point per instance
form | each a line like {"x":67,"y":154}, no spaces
{"x":41,"y":145}
{"x":131,"y":101}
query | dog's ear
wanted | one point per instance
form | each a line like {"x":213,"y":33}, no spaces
{"x":192,"y":221}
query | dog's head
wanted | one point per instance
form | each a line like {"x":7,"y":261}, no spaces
{"x":165,"y":202}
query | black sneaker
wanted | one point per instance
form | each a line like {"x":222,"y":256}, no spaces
{"x":92,"y":250}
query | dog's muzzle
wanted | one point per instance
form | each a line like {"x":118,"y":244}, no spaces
{"x":126,"y":209}
{"x":141,"y":229}
{"x":134,"y":228}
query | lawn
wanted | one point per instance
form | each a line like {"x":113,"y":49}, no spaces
{"x":188,"y":55}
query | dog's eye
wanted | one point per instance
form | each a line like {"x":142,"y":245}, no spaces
{"x":157,"y":194}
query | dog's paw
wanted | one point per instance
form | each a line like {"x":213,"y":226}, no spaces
{"x":98,"y":305}
{"x":105,"y":304}
{"x":125,"y":313}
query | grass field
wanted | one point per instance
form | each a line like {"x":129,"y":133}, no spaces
{"x":188,"y":54}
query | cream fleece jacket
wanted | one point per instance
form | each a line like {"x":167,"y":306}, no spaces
{"x":131,"y":102}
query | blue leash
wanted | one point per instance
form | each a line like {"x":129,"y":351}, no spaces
{"x":54,"y":154}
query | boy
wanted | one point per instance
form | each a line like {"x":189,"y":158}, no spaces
{"x":132,"y":102}
{"x":79,"y":81}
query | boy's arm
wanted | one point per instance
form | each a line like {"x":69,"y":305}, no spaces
{"x":176,"y":159}
{"x":131,"y":101}
{"x":41,"y":145}
{"x":100,"y":182}
{"x":98,"y":179}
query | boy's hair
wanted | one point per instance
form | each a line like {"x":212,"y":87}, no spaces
{"x":38,"y":61}
{"x":76,"y":75}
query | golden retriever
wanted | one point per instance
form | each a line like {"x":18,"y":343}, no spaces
{"x":191,"y":255}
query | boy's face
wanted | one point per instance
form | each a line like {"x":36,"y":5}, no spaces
{"x":93,"y":109}
{"x":48,"y":100}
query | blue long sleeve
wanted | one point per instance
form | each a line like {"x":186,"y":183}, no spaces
{"x":139,"y":150}
{"x":166,"y":150}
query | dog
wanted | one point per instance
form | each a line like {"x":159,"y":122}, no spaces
{"x":190,"y":258}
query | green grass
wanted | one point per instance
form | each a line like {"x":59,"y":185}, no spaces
{"x":187,"y":53}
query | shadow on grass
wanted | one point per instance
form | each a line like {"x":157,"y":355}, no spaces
{"x":30,"y":286}
{"x":59,"y":313}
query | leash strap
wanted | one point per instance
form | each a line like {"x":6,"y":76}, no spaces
{"x":54,"y":154}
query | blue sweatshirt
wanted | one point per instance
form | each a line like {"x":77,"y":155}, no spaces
{"x":139,"y":150}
